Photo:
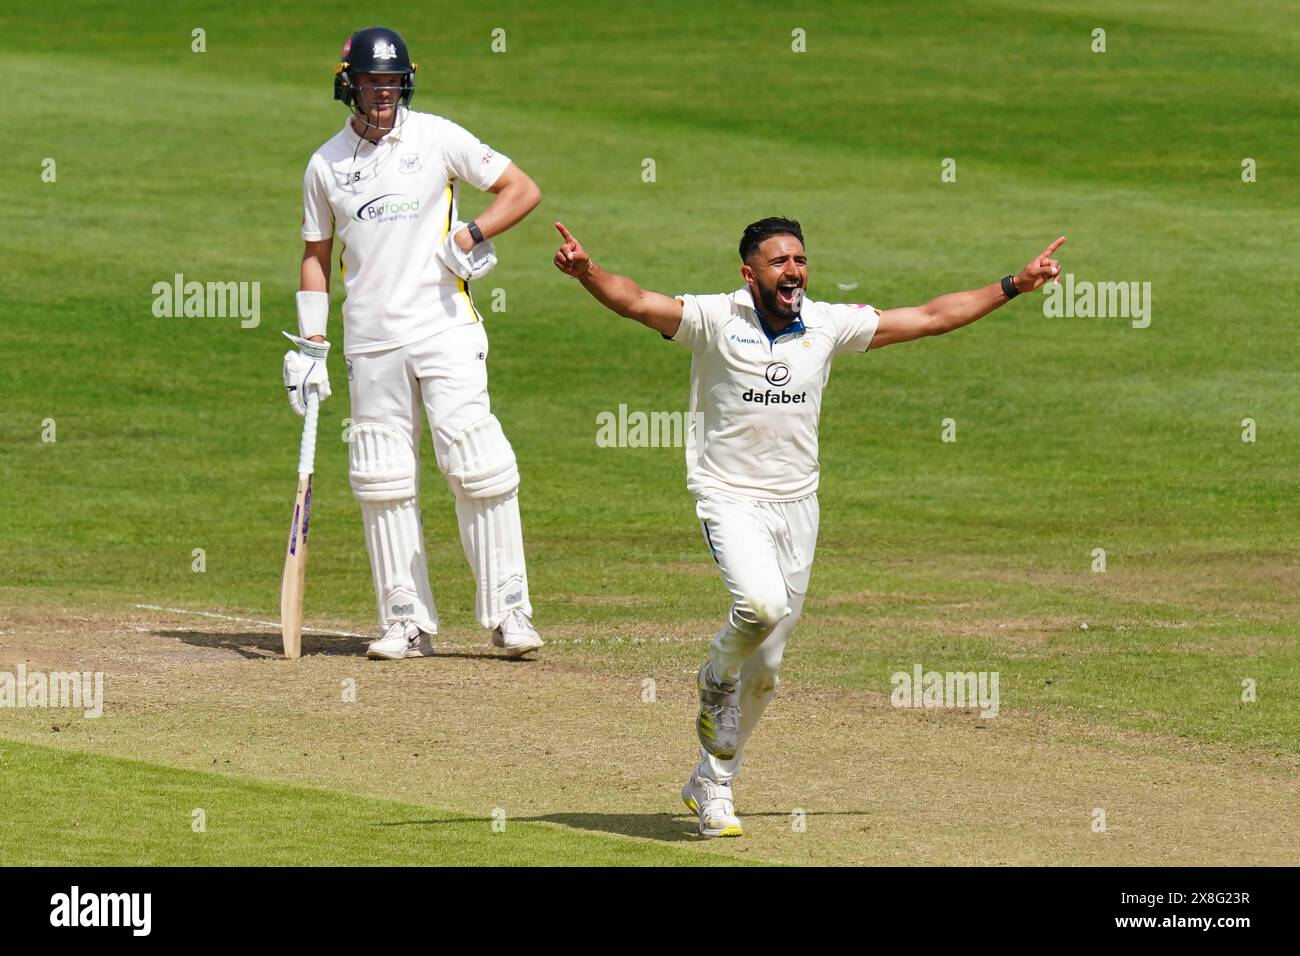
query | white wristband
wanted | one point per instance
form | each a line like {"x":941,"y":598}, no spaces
{"x":313,"y":313}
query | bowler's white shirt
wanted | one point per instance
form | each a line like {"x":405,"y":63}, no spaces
{"x":756,"y":398}
{"x":390,"y":204}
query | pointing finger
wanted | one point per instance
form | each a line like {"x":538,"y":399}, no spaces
{"x":1054,"y":246}
{"x":568,"y":237}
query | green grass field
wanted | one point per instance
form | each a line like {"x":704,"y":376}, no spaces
{"x":1073,"y":434}
{"x":187,"y":818}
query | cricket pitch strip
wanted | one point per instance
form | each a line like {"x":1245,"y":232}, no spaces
{"x":573,"y":739}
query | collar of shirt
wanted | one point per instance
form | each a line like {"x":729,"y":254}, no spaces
{"x":394,"y":135}
{"x":742,"y":297}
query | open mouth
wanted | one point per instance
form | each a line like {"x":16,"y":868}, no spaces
{"x":789,"y":293}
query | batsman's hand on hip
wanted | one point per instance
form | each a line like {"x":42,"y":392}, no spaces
{"x":571,"y":258}
{"x":1042,"y":268}
{"x":305,"y":369}
{"x":472,"y":263}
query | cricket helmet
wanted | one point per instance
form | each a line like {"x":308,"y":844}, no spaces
{"x":374,"y":50}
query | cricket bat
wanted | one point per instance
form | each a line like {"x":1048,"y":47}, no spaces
{"x":295,"y":559}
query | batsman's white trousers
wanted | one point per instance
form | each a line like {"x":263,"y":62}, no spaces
{"x":445,"y":373}
{"x":764,"y":550}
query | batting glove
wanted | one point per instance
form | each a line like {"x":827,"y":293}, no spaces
{"x":474,"y":264}
{"x":305,"y":369}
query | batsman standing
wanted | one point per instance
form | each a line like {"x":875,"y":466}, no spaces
{"x":386,"y":186}
{"x":761,"y":358}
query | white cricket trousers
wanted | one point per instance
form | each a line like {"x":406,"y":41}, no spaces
{"x":764,"y":550}
{"x":446,"y":375}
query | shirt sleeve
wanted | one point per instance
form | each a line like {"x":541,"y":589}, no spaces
{"x":470,"y":160}
{"x":317,"y":216}
{"x":702,"y":316}
{"x":855,"y":326}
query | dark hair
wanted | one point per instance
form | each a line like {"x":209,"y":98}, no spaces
{"x":756,"y":232}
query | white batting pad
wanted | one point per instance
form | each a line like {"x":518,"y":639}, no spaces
{"x":493,"y":537}
{"x":384,"y":475}
{"x":395,"y":540}
{"x":480,"y":462}
{"x":381,"y":463}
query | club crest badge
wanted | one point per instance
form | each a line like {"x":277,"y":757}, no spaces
{"x":410,"y":163}
{"x":385,"y":51}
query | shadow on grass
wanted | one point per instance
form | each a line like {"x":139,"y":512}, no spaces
{"x":666,"y":827}
{"x":257,"y":645}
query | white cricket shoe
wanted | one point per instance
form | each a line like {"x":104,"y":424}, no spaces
{"x":516,"y":634}
{"x":712,"y":801}
{"x":402,"y":639}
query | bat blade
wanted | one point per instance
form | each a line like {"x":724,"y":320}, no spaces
{"x":295,"y":571}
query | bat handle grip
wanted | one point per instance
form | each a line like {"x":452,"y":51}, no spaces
{"x":307,"y":452}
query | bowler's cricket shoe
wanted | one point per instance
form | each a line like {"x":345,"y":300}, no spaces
{"x":402,"y":639}
{"x":712,"y":802}
{"x":718,"y":722}
{"x":516,"y":634}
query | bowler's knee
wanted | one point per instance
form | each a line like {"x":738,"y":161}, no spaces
{"x":760,"y":613}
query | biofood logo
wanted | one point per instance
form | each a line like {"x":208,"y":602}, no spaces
{"x":387,"y":207}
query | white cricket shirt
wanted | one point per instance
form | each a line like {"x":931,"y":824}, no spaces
{"x":756,"y":397}
{"x":390,"y":204}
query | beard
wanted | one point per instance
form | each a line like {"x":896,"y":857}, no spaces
{"x":773,"y":306}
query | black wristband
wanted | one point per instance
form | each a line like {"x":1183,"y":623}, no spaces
{"x":475,"y":232}
{"x":1009,"y":287}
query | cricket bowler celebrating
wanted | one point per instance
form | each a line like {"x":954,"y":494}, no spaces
{"x":760,"y":358}
{"x":386,"y":186}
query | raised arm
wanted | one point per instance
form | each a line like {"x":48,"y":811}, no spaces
{"x":617,"y":293}
{"x":956,"y":309}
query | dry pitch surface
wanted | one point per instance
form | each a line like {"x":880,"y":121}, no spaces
{"x":568,"y":739}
